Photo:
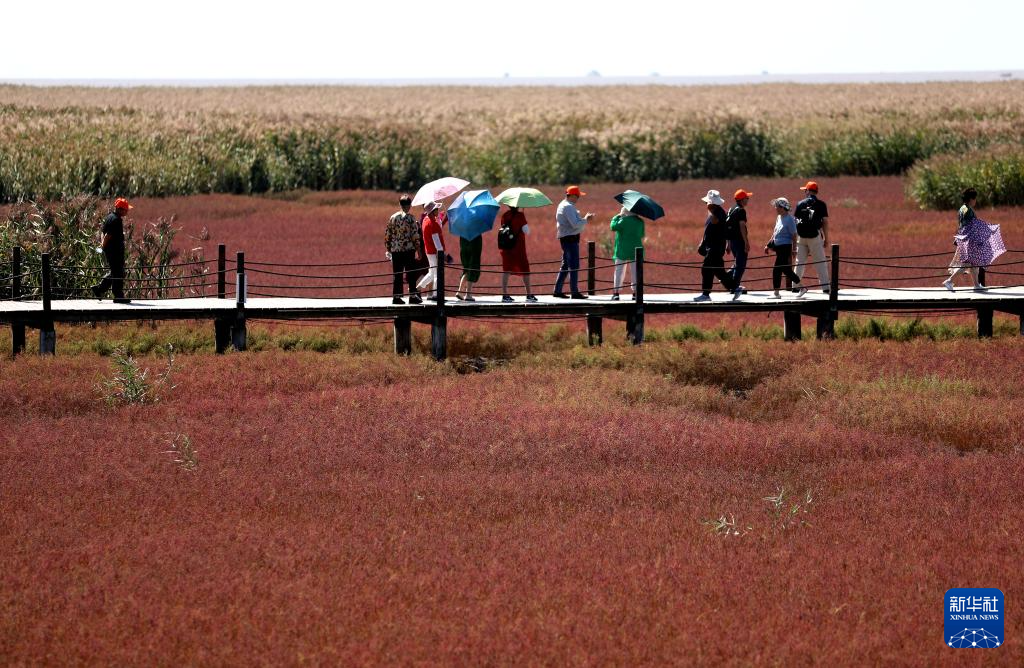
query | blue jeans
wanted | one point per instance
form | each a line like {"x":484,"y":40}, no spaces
{"x":570,"y":264}
{"x":739,"y":265}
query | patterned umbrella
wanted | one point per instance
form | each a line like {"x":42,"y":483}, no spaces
{"x":472,"y":213}
{"x":435,"y":191}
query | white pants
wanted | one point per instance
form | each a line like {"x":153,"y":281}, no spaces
{"x":430,"y":278}
{"x":816,"y":248}
{"x":620,"y":273}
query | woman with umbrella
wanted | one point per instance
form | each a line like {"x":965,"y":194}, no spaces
{"x":628,"y":227}
{"x":513,"y":251}
{"x":469,"y":217}
{"x":512,"y":236}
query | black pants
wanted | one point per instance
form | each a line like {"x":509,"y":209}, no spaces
{"x":783,"y":258}
{"x":114,"y":280}
{"x":714,"y":267}
{"x":404,"y":262}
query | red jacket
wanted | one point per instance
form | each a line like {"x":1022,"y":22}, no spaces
{"x":431,"y":226}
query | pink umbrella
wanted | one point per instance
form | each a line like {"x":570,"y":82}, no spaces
{"x":435,"y":191}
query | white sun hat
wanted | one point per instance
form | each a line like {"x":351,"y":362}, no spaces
{"x":713,"y":197}
{"x":781,"y":201}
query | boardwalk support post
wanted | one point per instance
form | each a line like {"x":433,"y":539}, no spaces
{"x":595,"y":324}
{"x":635,"y":321}
{"x":827,"y":322}
{"x":239,"y":334}
{"x":791,"y":325}
{"x":47,"y":334}
{"x":221,"y":271}
{"x":403,"y":336}
{"x":985,"y":322}
{"x":17,"y":328}
{"x":439,"y":327}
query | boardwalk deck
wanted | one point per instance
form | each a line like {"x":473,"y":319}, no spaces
{"x":1009,"y":300}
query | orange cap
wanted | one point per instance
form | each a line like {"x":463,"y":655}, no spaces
{"x":810,"y":185}
{"x":574,"y":190}
{"x":122,"y":204}
{"x":741,"y":194}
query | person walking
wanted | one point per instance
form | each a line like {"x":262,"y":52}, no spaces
{"x":629,"y":235}
{"x":712,"y":247}
{"x":811,"y":216}
{"x":569,"y":225}
{"x":978,"y":244}
{"x":113,"y":247}
{"x":782,"y":243}
{"x":512,"y":248}
{"x":739,"y":242}
{"x":433,"y":244}
{"x":470,"y":251}
{"x":402,"y":242}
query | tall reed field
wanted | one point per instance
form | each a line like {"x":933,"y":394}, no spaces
{"x":59,"y":142}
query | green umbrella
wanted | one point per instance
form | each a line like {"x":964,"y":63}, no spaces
{"x":523,"y":198}
{"x":640,"y":204}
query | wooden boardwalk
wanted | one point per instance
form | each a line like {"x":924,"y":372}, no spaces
{"x":230,"y":313}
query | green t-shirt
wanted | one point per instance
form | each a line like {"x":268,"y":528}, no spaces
{"x":629,"y":235}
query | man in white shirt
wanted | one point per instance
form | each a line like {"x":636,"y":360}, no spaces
{"x":569,"y":225}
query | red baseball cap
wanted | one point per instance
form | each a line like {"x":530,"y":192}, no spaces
{"x":810,"y":185}
{"x":741,"y":194}
{"x":122,"y":203}
{"x":574,"y":190}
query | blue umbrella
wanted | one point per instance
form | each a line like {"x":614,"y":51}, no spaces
{"x":472,"y":213}
{"x":640,"y":204}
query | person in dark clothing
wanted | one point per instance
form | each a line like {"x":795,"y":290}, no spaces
{"x":402,"y":245}
{"x":712,"y":247}
{"x":811,"y":216}
{"x":739,"y":242}
{"x":113,"y":252}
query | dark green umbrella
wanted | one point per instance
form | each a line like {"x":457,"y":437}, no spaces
{"x":640,"y":204}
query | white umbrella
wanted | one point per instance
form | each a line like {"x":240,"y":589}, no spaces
{"x":435,"y":191}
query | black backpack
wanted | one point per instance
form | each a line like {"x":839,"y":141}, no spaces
{"x":807,"y":225}
{"x":506,"y":238}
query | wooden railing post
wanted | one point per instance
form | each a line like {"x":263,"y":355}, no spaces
{"x":47,"y":333}
{"x":238,"y":329}
{"x":635,"y":325}
{"x":222,"y":261}
{"x":17,"y":328}
{"x":595,"y":324}
{"x":439,"y":328}
{"x":827,"y":322}
{"x":591,"y":268}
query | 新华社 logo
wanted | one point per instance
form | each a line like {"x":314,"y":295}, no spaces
{"x":974,"y":617}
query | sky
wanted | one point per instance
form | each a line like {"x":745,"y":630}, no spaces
{"x":381,"y":39}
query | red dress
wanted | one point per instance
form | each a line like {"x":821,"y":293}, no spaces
{"x":514,"y":260}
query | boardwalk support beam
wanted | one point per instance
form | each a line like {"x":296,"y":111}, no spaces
{"x":403,"y":336}
{"x":791,"y":325}
{"x":439,"y":328}
{"x":985,"y":322}
{"x":17,"y":328}
{"x":595,"y":324}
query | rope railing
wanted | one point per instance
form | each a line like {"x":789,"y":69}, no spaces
{"x":341,"y":285}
